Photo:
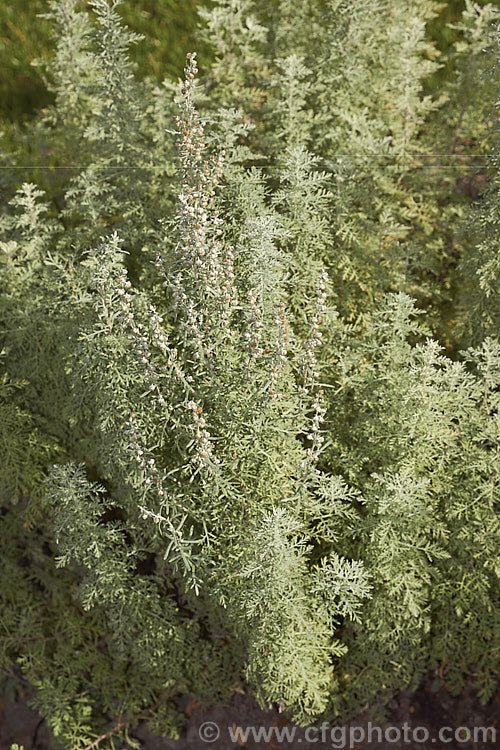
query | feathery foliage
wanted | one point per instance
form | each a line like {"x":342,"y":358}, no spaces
{"x":233,"y":451}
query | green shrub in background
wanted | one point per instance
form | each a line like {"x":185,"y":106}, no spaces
{"x":168,"y":28}
{"x":232,"y":453}
{"x":26,"y":46}
{"x":24,"y":38}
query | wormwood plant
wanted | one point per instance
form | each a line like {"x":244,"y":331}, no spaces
{"x":200,"y":413}
{"x":341,"y":97}
{"x":211,"y":478}
{"x":416,"y":435}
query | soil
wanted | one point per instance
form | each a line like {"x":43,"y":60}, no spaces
{"x":414,"y":722}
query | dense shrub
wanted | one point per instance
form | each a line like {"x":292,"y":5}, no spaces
{"x":234,"y":446}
